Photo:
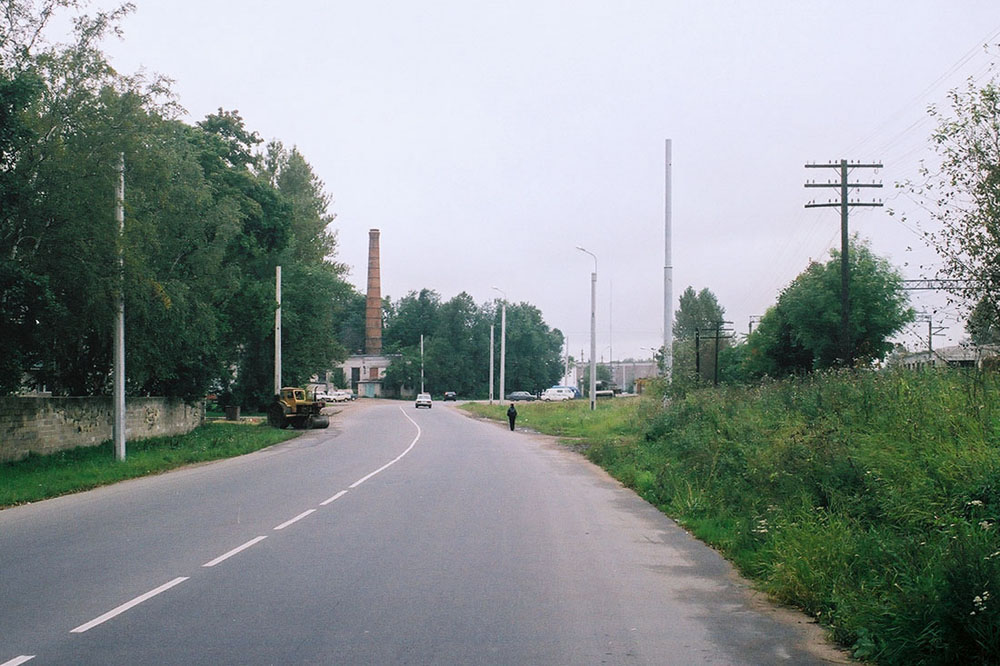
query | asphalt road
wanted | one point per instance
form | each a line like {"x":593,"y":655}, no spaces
{"x":396,"y":536}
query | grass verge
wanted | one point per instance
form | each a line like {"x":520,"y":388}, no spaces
{"x":869,"y":500}
{"x":39,"y":477}
{"x":612,"y":422}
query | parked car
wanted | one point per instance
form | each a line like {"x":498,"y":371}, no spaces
{"x":450,"y":395}
{"x":323,"y":396}
{"x":341,"y":395}
{"x":557,"y":393}
{"x":520,"y":395}
{"x":423,"y":400}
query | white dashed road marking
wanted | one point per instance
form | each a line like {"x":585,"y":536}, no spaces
{"x":334,"y":498}
{"x":125,"y":606}
{"x":17,"y":661}
{"x":238,"y":549}
{"x":295,"y":519}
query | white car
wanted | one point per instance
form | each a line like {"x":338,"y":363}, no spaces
{"x":322,"y":396}
{"x":341,"y":395}
{"x":557,"y":393}
{"x":423,"y":400}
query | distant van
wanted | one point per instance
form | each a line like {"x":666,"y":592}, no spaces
{"x":557,"y":393}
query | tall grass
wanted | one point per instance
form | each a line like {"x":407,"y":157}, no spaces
{"x":39,"y":477}
{"x":612,"y":422}
{"x":869,"y":500}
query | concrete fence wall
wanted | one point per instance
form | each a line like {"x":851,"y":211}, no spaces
{"x":48,"y":425}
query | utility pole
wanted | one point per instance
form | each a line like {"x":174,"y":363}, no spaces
{"x":277,"y":331}
{"x":719,"y":327}
{"x":697,"y":352}
{"x":118,"y":434}
{"x":421,"y":362}
{"x":491,"y":364}
{"x":845,"y":204}
{"x":718,"y":335}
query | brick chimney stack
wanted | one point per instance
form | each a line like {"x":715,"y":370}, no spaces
{"x":373,"y":307}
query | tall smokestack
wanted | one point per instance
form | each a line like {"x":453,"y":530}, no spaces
{"x":373,"y":308}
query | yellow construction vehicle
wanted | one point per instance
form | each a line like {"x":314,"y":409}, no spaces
{"x":292,"y":406}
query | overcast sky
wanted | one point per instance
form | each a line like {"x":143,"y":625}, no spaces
{"x":486,"y":140}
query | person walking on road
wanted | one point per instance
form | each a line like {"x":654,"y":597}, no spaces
{"x":511,"y":415}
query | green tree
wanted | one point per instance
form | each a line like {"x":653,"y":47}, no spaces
{"x":23,"y":292}
{"x":208,"y":217}
{"x":456,"y":345}
{"x":698,"y":315}
{"x":69,"y":116}
{"x":454,"y":354}
{"x":289,"y":172}
{"x":534,"y":351}
{"x":773,"y":350}
{"x":318,"y":295}
{"x":696,"y":311}
{"x":802,"y":331}
{"x":406,"y":320}
{"x":983,"y":325}
{"x":963,"y":194}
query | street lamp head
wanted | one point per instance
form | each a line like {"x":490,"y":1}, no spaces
{"x":583,"y":249}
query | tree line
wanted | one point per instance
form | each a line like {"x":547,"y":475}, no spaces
{"x":209,"y":213}
{"x":456,"y":354}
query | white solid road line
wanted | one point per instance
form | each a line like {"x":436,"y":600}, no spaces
{"x":323,"y":503}
{"x":124,"y":607}
{"x":16,"y":661}
{"x":295,"y":519}
{"x":394,"y":460}
{"x":238,"y":549}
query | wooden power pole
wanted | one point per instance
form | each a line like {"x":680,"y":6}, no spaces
{"x":845,"y":204}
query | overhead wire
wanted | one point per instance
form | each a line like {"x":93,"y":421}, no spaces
{"x":900,"y":147}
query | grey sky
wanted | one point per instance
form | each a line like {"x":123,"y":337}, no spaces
{"x":487,"y":139}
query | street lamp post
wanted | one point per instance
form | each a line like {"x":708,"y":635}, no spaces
{"x":593,"y":331}
{"x":503,"y":340}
